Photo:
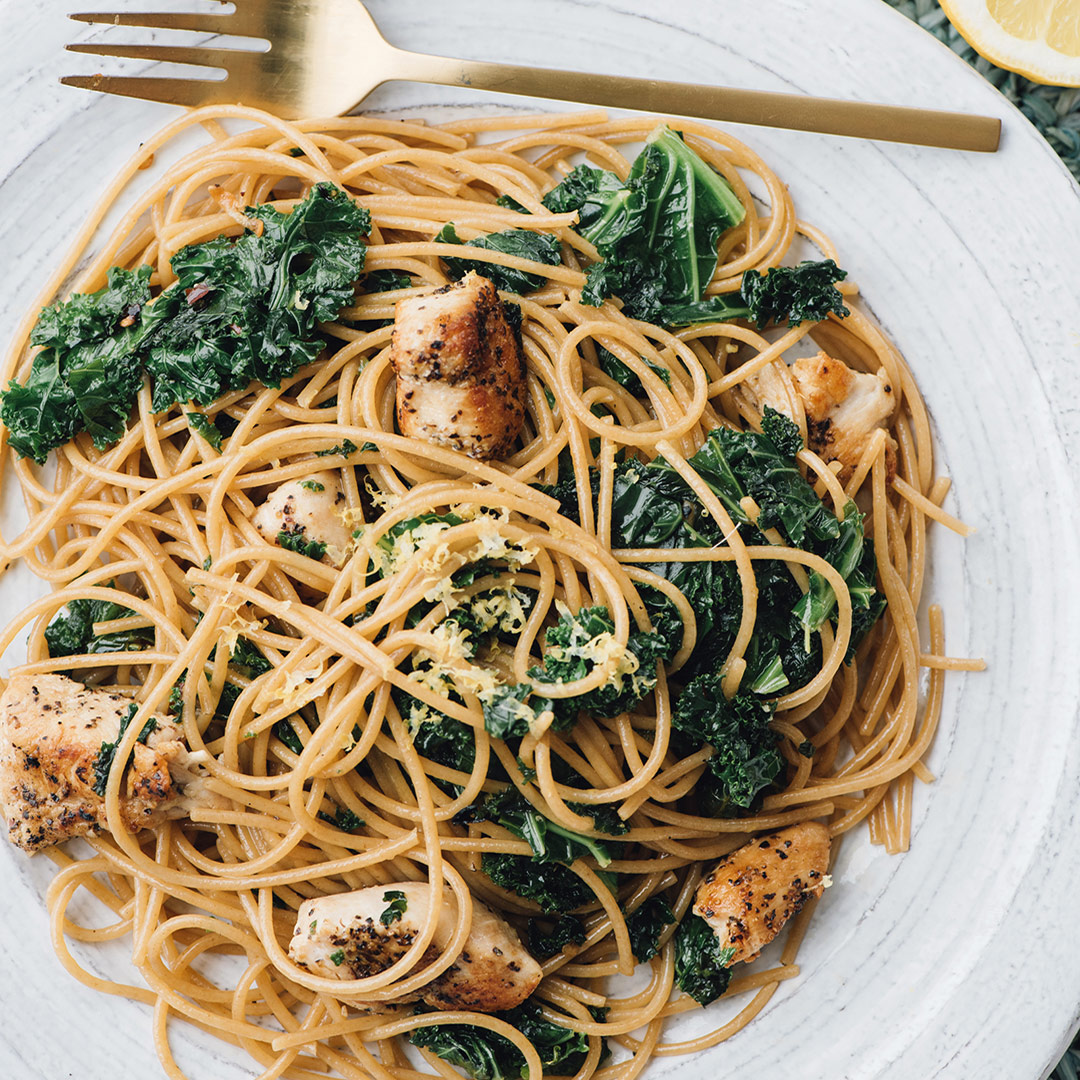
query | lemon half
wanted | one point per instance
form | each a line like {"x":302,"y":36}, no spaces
{"x":1039,"y":39}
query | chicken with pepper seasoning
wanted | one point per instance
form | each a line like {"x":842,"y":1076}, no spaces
{"x":749,"y":896}
{"x":460,"y":372}
{"x":57,"y":741}
{"x":358,"y":934}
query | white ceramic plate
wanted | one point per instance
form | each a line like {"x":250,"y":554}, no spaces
{"x":960,"y":958}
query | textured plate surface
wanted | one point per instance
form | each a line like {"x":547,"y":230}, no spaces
{"x":958,"y":959}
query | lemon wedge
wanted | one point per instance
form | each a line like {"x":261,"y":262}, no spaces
{"x":1039,"y":39}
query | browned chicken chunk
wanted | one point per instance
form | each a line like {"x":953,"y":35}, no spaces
{"x":460,"y":374}
{"x":747,"y":897}
{"x":843,"y":407}
{"x":51,"y":734}
{"x":358,"y":934}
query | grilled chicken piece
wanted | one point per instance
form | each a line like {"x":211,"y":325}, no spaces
{"x":308,"y":508}
{"x":460,"y":374}
{"x":747,"y":897}
{"x":51,"y":731}
{"x":843,"y":407}
{"x":492,"y":973}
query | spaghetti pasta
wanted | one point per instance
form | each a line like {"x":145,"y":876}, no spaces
{"x":321,"y":785}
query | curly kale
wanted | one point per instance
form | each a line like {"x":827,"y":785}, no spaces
{"x":646,"y":925}
{"x":294,"y":541}
{"x":566,"y":930}
{"x":242,"y":310}
{"x":107,"y":752}
{"x":485,"y":1055}
{"x":551,"y":886}
{"x":702,"y":965}
{"x":71,"y":633}
{"x":549,"y":841}
{"x":745,"y":756}
{"x":525,"y":244}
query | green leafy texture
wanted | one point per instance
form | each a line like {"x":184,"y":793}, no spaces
{"x":294,"y":541}
{"x":525,"y":244}
{"x":701,"y":964}
{"x":447,"y":742}
{"x":806,"y":292}
{"x":566,"y":930}
{"x":248,"y":661}
{"x":71,"y":633}
{"x":342,"y":449}
{"x":615,"y":369}
{"x":287,"y":734}
{"x":312,"y":485}
{"x":566,"y":658}
{"x":337,"y":957}
{"x":781,"y":431}
{"x":202,"y":425}
{"x":549,"y":841}
{"x":242,"y":310}
{"x":386,"y":281}
{"x":512,"y":204}
{"x":247,"y":310}
{"x":795,"y":293}
{"x":846,"y":554}
{"x":653,"y":507}
{"x":486,"y":1055}
{"x":107,"y":753}
{"x":397,"y":905}
{"x":657,"y":233}
{"x":511,"y":711}
{"x":247,"y":658}
{"x":343,"y":818}
{"x":740,"y":463}
{"x":646,"y":925}
{"x":745,"y":756}
{"x":551,"y":886}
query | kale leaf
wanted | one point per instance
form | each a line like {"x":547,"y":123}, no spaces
{"x":796,"y":293}
{"x":646,"y":925}
{"x":793,"y":293}
{"x":107,"y":753}
{"x":657,"y":232}
{"x":204,"y":426}
{"x":553,"y":887}
{"x":242,"y":310}
{"x":537,"y":247}
{"x":71,"y":633}
{"x":386,"y":281}
{"x":397,"y":904}
{"x":294,"y":541}
{"x":701,"y":963}
{"x":549,"y":841}
{"x":486,"y":1055}
{"x":566,"y":930}
{"x":745,"y":758}
{"x":740,"y":463}
{"x":447,"y":742}
{"x":343,"y":818}
{"x":571,"y":649}
{"x":615,"y":369}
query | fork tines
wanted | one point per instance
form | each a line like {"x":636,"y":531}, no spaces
{"x":243,"y":21}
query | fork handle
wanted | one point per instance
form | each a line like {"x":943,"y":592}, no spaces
{"x":891,"y":123}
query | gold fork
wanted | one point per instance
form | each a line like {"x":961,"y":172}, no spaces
{"x":326,"y":56}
